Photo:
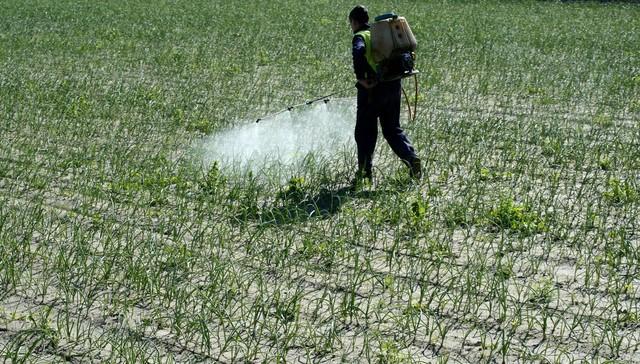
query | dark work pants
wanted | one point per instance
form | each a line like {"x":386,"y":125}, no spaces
{"x":382,"y":101}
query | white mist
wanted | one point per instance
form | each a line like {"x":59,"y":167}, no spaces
{"x":285,"y":140}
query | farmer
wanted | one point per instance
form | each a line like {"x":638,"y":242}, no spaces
{"x":376,"y":99}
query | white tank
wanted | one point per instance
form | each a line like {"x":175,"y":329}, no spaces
{"x":389,"y":36}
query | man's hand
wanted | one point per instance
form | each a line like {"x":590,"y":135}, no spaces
{"x":368,"y":83}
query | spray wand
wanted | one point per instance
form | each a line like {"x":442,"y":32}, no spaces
{"x":324,"y":98}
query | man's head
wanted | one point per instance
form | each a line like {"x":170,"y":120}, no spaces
{"x":358,"y":17}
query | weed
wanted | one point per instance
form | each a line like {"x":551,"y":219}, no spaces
{"x":457,"y":215}
{"x":620,"y":192}
{"x":203,"y":126}
{"x":213,"y":182}
{"x":520,"y":218}
{"x":391,"y":354}
{"x":542,"y":292}
{"x":603,"y":120}
{"x":295,"y":191}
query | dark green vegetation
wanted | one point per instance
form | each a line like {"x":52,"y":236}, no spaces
{"x":521,"y":244}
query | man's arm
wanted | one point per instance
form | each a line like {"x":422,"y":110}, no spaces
{"x":360,"y":63}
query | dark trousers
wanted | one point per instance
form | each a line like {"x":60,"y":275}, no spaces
{"x":382,"y":101}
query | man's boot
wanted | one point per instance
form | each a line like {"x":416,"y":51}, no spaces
{"x":415,"y":168}
{"x":363,"y":178}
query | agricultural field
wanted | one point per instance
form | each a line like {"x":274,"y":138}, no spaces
{"x":118,"y":244}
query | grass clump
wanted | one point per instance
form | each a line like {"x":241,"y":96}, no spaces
{"x":294,"y":192}
{"x":620,"y":192}
{"x":542,"y":292}
{"x":213,"y":182}
{"x":457,"y":214}
{"x":520,"y":218}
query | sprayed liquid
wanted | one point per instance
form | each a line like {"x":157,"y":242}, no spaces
{"x":283,"y":141}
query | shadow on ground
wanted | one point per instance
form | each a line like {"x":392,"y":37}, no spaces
{"x":321,"y":205}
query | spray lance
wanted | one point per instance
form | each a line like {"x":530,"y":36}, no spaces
{"x":325,"y":98}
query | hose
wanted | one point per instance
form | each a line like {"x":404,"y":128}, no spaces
{"x":412,"y":116}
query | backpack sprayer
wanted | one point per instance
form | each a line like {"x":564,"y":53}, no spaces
{"x":393,"y":48}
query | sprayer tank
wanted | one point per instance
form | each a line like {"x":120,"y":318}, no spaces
{"x":389,"y":36}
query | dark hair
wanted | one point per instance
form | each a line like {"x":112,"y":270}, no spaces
{"x":359,"y":14}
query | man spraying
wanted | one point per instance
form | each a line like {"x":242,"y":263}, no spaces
{"x":376,"y":99}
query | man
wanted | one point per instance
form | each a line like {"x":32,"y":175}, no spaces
{"x":376,"y":100}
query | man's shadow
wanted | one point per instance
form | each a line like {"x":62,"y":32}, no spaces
{"x":324,"y":204}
